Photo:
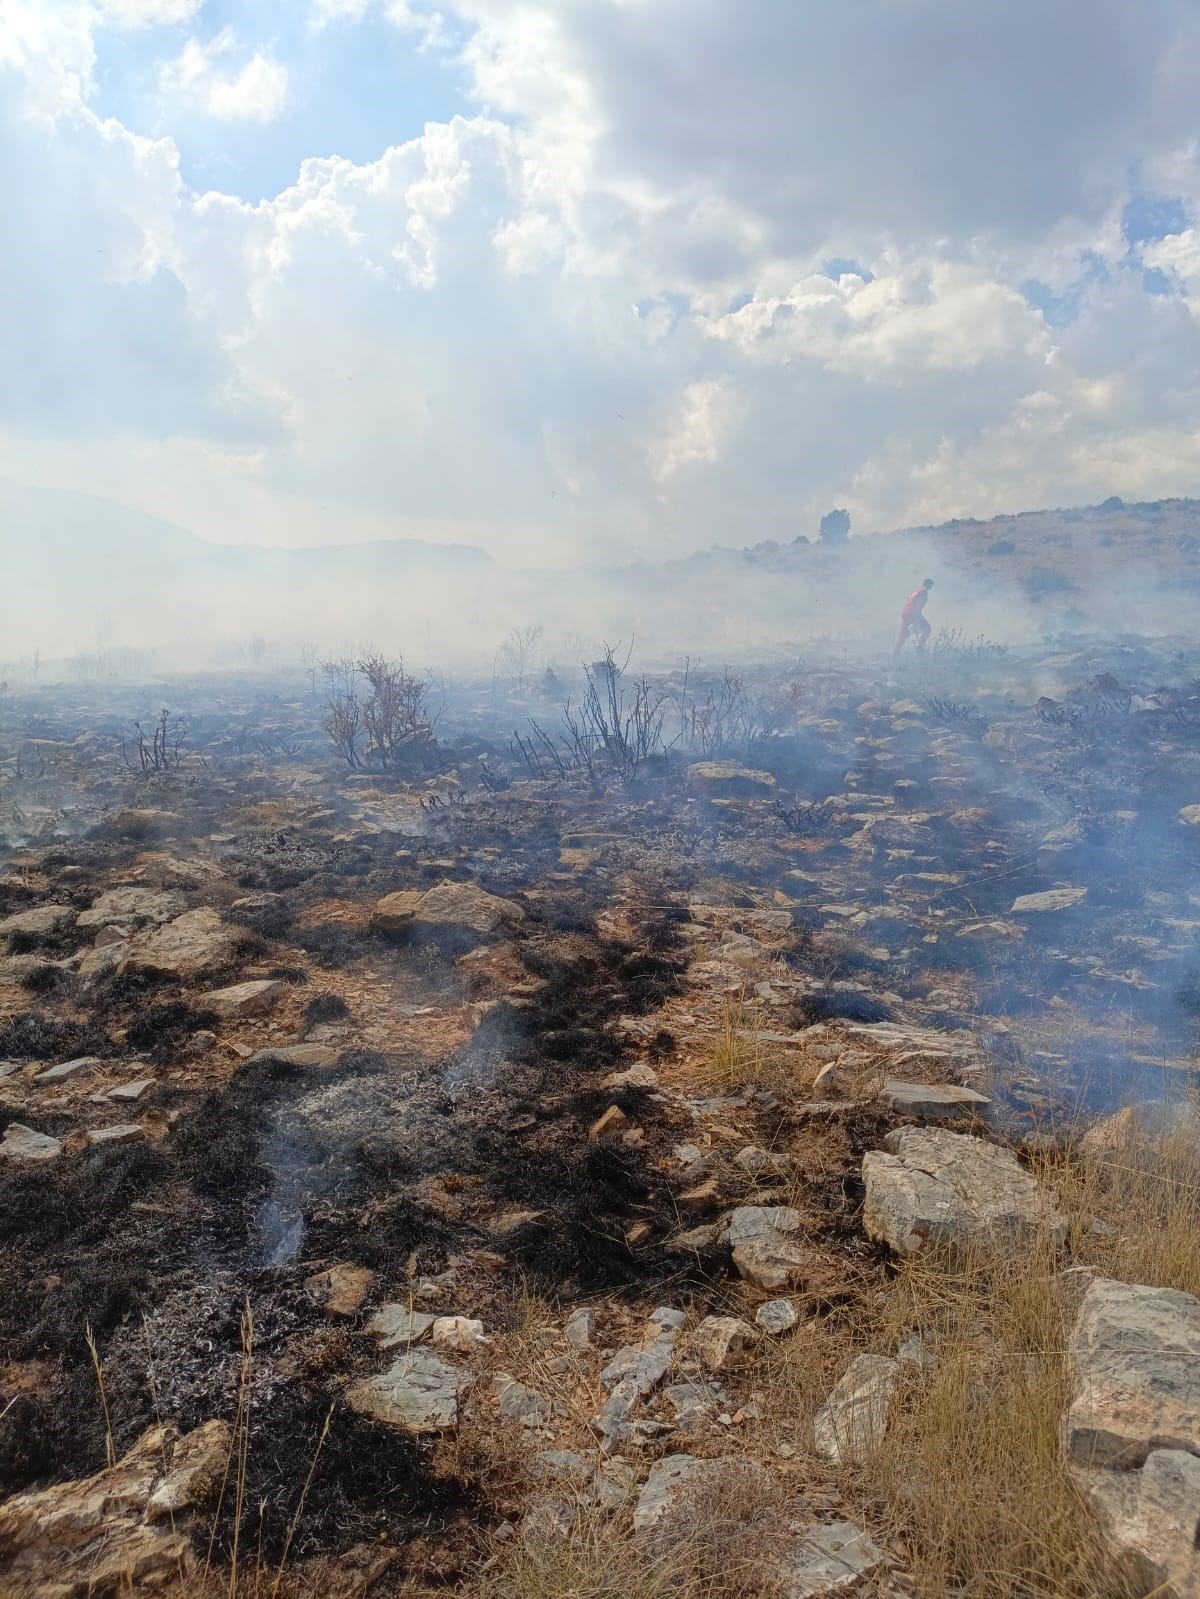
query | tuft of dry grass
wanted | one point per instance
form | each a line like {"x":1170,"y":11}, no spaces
{"x":736,"y":1057}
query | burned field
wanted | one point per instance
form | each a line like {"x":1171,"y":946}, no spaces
{"x":360,"y":1119}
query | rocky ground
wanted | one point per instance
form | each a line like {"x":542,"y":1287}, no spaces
{"x":497,"y":1180}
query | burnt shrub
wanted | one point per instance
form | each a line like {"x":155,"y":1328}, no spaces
{"x":36,"y":1036}
{"x":325,"y":1008}
{"x":167,"y":1027}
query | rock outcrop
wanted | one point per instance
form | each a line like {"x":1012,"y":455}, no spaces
{"x":1133,"y":1429}
{"x":933,"y":1189}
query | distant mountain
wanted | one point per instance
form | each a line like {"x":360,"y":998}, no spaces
{"x":83,"y":577}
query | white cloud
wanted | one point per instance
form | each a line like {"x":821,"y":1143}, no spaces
{"x":148,"y":13}
{"x":593,"y":313}
{"x":203,"y":75}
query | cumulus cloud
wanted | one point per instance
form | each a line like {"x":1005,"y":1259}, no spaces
{"x":207,"y":75}
{"x":676,"y":273}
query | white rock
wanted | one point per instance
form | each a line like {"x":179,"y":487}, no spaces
{"x":457,"y":1333}
{"x":776,"y":1317}
{"x":725,"y":1342}
{"x":418,"y":1393}
{"x":22,"y":1144}
{"x":851,"y":1423}
{"x":930,"y":1188}
{"x":397,"y":1326}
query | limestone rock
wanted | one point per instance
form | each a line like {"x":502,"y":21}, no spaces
{"x":37,"y":923}
{"x":760,"y":1221}
{"x":194,"y":943}
{"x":772,"y":1263}
{"x":244,"y":999}
{"x":829,"y":1559}
{"x":21,"y":1144}
{"x":675,"y":1481}
{"x":1054,"y":899}
{"x":121,"y":1133}
{"x":144,"y":823}
{"x":580,"y":1328}
{"x":728,"y":780}
{"x":105,"y":958}
{"x":725,"y":1342}
{"x":1136,"y":1354}
{"x":125,"y":907}
{"x":418,"y":1393}
{"x":1149,"y":1518}
{"x":1133,"y":1428}
{"x":121,"y":1531}
{"x":397,"y":1326}
{"x":934,"y":1103}
{"x":851,"y":1423}
{"x":776,"y":1317}
{"x":457,"y":905}
{"x":79,"y":1067}
{"x":930,"y":1188}
{"x":521,"y":1404}
{"x":461,"y":1334}
{"x":319,"y":1055}
{"x":341,"y":1289}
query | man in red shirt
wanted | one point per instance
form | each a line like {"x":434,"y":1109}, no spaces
{"x":912,"y":618}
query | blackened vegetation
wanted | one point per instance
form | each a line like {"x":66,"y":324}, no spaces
{"x":37,"y":1036}
{"x":161,"y":1030}
{"x":558,"y":1051}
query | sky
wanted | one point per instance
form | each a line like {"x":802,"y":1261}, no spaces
{"x":595,"y":280}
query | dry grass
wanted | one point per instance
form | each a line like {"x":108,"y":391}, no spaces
{"x":970,"y":1478}
{"x":718,"y":1543}
{"x":736,"y":1057}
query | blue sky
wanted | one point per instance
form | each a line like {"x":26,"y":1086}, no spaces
{"x":353,"y":89}
{"x":578,"y":279}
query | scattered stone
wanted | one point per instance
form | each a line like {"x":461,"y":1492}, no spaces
{"x":580,"y":1328}
{"x":121,"y":1133}
{"x":124,"y":907}
{"x":673,"y":1483}
{"x":37,"y":923}
{"x":1054,"y":899}
{"x":69,"y":1068}
{"x":106,"y":958}
{"x":826,"y":1560}
{"x":610,"y":1125}
{"x":776,"y":1317}
{"x":633,"y":1373}
{"x":244,"y":999}
{"x":930,"y":1188}
{"x":341,"y":1289}
{"x":945,"y":1102}
{"x":521,"y":1404}
{"x":852,"y":1421}
{"x":318,"y":1055}
{"x":129,"y":1091}
{"x":459,"y":905}
{"x":459,"y":1334}
{"x":22,"y":1144}
{"x":725,"y":1342}
{"x":194,"y":943}
{"x":760,"y":1221}
{"x":637,"y":1076}
{"x":728,"y":780}
{"x":418,"y":1393}
{"x":399,"y":1325}
{"x":771,"y":1263}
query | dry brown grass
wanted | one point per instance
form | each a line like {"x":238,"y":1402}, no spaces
{"x":736,"y":1058}
{"x":971,"y":1483}
{"x":719,"y":1543}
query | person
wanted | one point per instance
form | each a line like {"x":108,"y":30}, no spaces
{"x":912,"y":618}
